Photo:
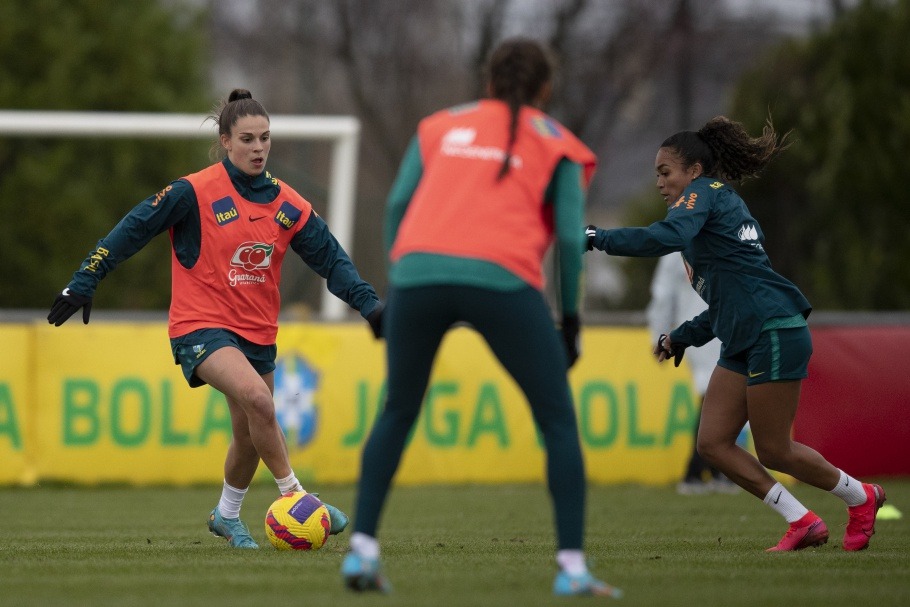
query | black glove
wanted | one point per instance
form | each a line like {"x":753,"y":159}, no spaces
{"x":676,"y":350}
{"x":570,"y":329}
{"x":375,"y":320}
{"x":590,"y":233}
{"x":66,"y":305}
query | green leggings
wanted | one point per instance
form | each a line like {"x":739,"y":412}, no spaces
{"x":520,"y":331}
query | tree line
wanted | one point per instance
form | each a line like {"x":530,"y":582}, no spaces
{"x":631,"y":72}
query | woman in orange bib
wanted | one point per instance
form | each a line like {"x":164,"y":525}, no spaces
{"x":481,"y":193}
{"x":230,"y":226}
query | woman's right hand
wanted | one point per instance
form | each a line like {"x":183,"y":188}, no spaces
{"x":665,"y":349}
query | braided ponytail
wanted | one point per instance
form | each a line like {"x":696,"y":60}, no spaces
{"x":518,"y":70}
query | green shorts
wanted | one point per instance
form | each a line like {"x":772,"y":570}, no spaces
{"x":778,"y":355}
{"x":193,"y":348}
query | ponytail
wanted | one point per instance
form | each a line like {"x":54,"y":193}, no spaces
{"x":726,"y":151}
{"x":517,"y":72}
{"x":227,"y":112}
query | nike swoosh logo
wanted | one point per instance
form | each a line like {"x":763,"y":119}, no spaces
{"x":66,"y":292}
{"x":751,"y":374}
{"x":251,"y":218}
{"x":777,"y":499}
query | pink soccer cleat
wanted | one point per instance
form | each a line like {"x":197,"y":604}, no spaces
{"x":861,"y":525}
{"x":807,"y":531}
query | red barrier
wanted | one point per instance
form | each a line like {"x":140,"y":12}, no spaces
{"x":855,"y":405}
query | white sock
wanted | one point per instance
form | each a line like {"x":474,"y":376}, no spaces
{"x":231,"y":500}
{"x":364,"y":545}
{"x":785,"y":504}
{"x":850,"y":490}
{"x":572,"y":561}
{"x":289,"y":483}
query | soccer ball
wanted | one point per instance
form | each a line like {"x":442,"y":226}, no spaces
{"x":297,"y":521}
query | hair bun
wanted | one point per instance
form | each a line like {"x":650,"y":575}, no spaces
{"x":239,"y":94}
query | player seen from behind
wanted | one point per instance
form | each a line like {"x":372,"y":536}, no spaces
{"x":479,"y":194}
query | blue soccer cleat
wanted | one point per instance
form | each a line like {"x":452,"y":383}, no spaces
{"x":583,"y":585}
{"x":231,"y":529}
{"x":338,"y":519}
{"x":362,"y":574}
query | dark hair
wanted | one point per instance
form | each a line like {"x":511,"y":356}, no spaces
{"x":517,"y":71}
{"x":725,"y":150}
{"x":228,"y":111}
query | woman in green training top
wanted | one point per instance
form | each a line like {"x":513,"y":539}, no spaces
{"x":758,"y":315}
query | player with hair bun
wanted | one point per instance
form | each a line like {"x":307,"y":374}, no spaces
{"x":759,"y":317}
{"x":230,"y":226}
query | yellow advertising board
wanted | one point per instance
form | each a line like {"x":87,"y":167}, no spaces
{"x":16,"y":385}
{"x":113,"y":407}
{"x":108,"y":404}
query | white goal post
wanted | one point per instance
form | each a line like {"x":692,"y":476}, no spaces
{"x":342,"y":131}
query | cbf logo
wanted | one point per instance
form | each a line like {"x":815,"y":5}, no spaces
{"x":296,"y":383}
{"x":253,"y":256}
{"x":546,"y":126}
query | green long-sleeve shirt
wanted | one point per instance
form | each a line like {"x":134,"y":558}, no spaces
{"x":723,"y":247}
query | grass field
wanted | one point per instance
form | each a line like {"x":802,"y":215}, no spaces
{"x":475,"y":545}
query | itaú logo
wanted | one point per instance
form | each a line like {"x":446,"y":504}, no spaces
{"x":253,"y":256}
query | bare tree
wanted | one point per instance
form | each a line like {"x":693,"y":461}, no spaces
{"x":631,"y":72}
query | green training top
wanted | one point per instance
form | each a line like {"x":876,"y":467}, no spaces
{"x":723,"y":247}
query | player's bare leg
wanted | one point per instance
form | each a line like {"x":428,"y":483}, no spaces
{"x":254,"y":430}
{"x":228,"y":371}
{"x":772,"y":409}
{"x":724,"y":413}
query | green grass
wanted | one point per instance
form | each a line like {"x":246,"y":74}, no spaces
{"x":475,"y":545}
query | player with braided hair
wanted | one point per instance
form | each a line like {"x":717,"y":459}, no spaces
{"x":480,"y":194}
{"x":514,"y":80}
{"x":759,"y":317}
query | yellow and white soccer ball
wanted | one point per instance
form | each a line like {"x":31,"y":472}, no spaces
{"x":297,"y":521}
